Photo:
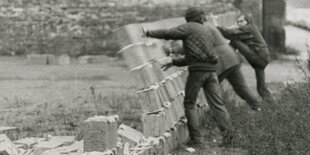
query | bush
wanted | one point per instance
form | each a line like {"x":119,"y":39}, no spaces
{"x":282,"y":127}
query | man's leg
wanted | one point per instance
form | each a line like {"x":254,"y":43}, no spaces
{"x":213,"y":94}
{"x":261,"y":84}
{"x":236,"y":79}
{"x":193,"y":85}
{"x":253,"y":58}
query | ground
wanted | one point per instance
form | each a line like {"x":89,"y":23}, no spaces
{"x":33,"y":96}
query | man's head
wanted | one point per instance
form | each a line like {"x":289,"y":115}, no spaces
{"x":244,"y":19}
{"x":195,"y":14}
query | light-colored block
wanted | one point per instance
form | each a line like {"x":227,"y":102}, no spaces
{"x":100,"y":133}
{"x":150,"y":99}
{"x":6,"y":146}
{"x":29,"y":142}
{"x":129,"y":134}
{"x":154,"y":124}
{"x":11,"y":132}
{"x":64,"y":60}
{"x":37,"y":59}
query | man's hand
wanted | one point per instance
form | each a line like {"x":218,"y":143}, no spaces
{"x":166,"y":66}
{"x":166,"y":63}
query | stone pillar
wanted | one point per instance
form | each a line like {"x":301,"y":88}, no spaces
{"x":100,"y":133}
{"x":273,"y":25}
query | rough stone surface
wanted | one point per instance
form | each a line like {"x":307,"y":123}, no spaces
{"x":6,"y":146}
{"x":29,"y":142}
{"x":154,"y":124}
{"x":99,"y":133}
{"x":129,"y":134}
{"x":11,"y":132}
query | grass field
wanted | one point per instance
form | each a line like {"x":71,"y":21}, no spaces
{"x":54,"y":99}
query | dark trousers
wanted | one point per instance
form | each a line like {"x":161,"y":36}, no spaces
{"x":259,"y":61}
{"x":237,"y":81}
{"x":209,"y":82}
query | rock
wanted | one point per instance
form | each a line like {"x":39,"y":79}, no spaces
{"x":100,"y":133}
{"x":129,"y":134}
{"x":11,"y":132}
{"x":6,"y":146}
{"x":77,"y":147}
{"x":27,"y":143}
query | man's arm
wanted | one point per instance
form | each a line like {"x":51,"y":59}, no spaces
{"x":232,"y":33}
{"x":181,"y":61}
{"x":177,"y":33}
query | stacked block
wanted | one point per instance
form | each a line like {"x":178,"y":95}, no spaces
{"x":161,"y":93}
{"x":6,"y":146}
{"x":154,"y":124}
{"x":150,"y":99}
{"x":129,"y":134}
{"x":100,"y":133}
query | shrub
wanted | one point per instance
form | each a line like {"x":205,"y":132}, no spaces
{"x":282,"y":127}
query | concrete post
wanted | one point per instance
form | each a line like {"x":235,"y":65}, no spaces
{"x":273,"y":25}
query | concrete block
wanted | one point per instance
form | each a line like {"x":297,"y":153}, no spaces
{"x":129,"y":134}
{"x":154,"y":124}
{"x":150,"y":98}
{"x":47,"y":145}
{"x":37,"y":59}
{"x":29,"y":142}
{"x":146,"y":75}
{"x":170,"y":144}
{"x":76,"y":147}
{"x":64,"y":60}
{"x":50,"y":59}
{"x":170,"y":119}
{"x":182,"y":132}
{"x":11,"y":132}
{"x":83,"y":59}
{"x":100,"y":133}
{"x":6,"y":146}
{"x":168,"y":89}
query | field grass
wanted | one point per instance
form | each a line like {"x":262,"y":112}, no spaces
{"x":54,"y":100}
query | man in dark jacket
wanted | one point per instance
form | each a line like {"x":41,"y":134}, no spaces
{"x":228,"y":67}
{"x":251,"y":44}
{"x":199,"y":45}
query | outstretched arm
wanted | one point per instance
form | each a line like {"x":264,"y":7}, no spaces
{"x":232,"y":33}
{"x":177,"y":33}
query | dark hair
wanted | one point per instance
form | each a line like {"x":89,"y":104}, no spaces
{"x":248,"y":18}
{"x":194,"y":14}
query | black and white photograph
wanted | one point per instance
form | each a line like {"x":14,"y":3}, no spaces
{"x":154,"y":77}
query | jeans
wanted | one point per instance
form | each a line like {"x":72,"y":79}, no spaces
{"x":237,"y":81}
{"x":209,"y":82}
{"x":259,"y":61}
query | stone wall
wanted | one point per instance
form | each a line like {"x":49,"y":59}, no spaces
{"x":79,"y":26}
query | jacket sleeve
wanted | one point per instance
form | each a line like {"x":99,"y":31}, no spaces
{"x":179,"y":62}
{"x":177,"y":33}
{"x":233,"y":33}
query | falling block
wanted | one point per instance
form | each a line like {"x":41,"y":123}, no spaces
{"x":150,"y":99}
{"x":129,"y":134}
{"x":154,"y":124}
{"x":6,"y":146}
{"x":100,"y":133}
